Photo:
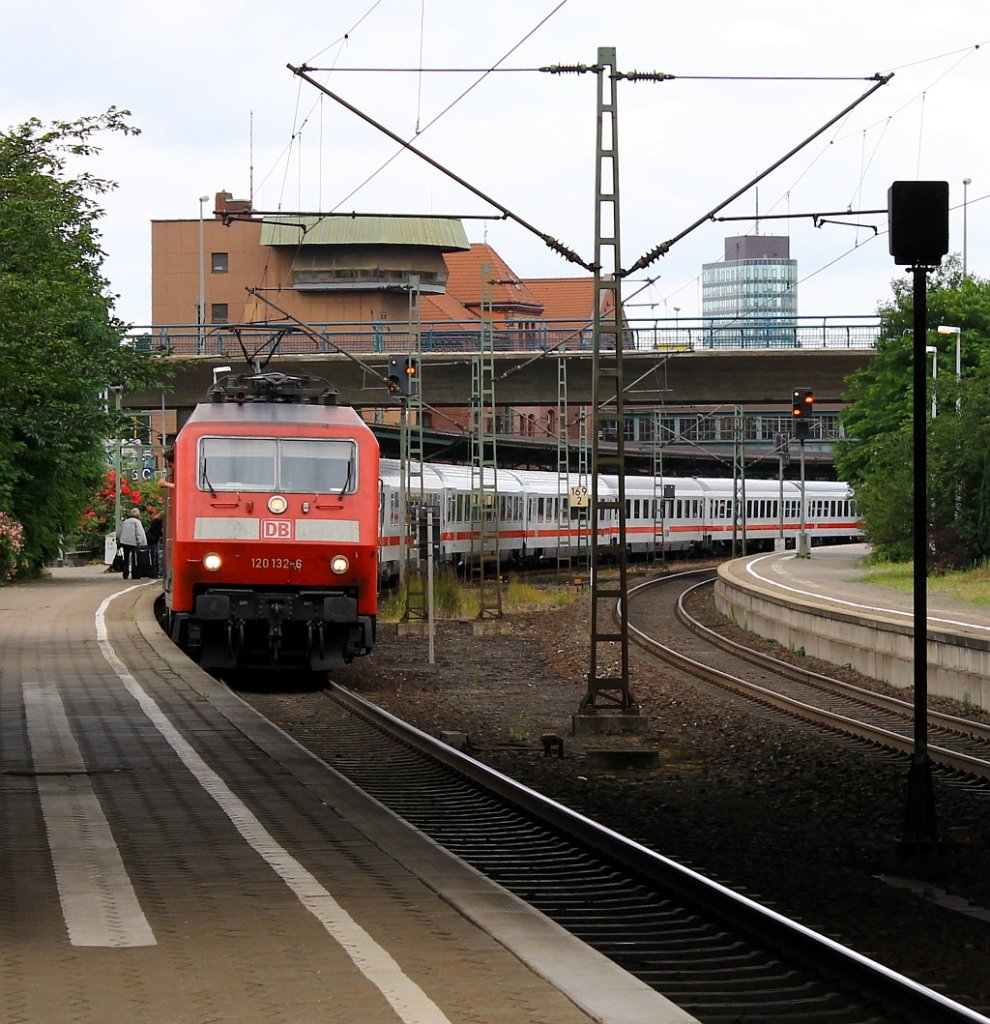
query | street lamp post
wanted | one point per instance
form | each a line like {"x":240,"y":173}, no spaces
{"x":933,"y":352}
{"x":201,"y":299}
{"x":957,"y":331}
{"x":966,"y":183}
{"x":118,"y":392}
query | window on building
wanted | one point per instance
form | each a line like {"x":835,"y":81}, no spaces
{"x":218,"y":313}
{"x":218,"y":263}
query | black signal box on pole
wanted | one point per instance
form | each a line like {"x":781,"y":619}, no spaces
{"x":802,"y":409}
{"x":918,"y":212}
{"x":395,"y":379}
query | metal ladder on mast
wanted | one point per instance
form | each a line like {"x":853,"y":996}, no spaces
{"x":411,"y":463}
{"x":657,"y":553}
{"x":738,"y":484}
{"x":563,"y":470}
{"x":484,"y":473}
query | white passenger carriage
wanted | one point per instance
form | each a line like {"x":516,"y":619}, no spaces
{"x":531,"y":513}
{"x":552,"y":526}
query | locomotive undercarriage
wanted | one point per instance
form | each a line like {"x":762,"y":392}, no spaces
{"x":243,"y":629}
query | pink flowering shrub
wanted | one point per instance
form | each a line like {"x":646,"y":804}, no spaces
{"x":12,"y":560}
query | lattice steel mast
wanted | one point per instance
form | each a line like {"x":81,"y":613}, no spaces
{"x":608,"y":675}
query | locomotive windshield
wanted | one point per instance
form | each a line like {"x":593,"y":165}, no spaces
{"x":277,"y":464}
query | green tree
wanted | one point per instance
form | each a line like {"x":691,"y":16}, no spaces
{"x":878,"y":457}
{"x":60,"y":342}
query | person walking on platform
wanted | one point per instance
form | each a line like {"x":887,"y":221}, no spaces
{"x":130,"y":537}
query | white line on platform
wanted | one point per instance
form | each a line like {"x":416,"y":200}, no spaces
{"x":853,"y":604}
{"x":99,"y":904}
{"x":408,"y":1000}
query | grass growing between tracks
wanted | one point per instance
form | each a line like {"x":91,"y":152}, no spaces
{"x":454,"y":598}
{"x":969,"y":585}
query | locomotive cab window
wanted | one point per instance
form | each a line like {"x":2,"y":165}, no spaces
{"x":277,"y":464}
{"x":318,"y":466}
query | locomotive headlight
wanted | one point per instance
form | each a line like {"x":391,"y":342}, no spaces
{"x":212,"y":561}
{"x":339,"y":564}
{"x":277,"y":504}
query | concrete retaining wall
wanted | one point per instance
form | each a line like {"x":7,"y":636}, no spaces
{"x":958,"y":666}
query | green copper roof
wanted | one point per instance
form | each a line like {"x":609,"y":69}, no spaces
{"x":444,"y":233}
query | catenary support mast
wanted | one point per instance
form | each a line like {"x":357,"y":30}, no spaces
{"x":608,"y":675}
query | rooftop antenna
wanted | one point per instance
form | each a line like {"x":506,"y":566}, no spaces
{"x":756,"y":227}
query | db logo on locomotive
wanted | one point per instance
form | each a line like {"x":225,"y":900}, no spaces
{"x":276,"y":529}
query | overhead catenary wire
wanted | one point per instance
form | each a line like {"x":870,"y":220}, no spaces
{"x":297,"y":132}
{"x":865,"y":160}
{"x":484,"y":73}
{"x":664,"y":247}
{"x":552,"y":243}
{"x":884,"y":124}
{"x":559,"y":69}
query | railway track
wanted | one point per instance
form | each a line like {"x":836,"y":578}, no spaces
{"x":719,"y":955}
{"x":959,"y":747}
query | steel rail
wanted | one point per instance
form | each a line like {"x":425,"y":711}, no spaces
{"x":954,"y":760}
{"x":793,"y":942}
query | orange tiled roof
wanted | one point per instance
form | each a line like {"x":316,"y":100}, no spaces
{"x":445,"y":308}
{"x":509,"y":292}
{"x":543,"y":298}
{"x":564,"y":298}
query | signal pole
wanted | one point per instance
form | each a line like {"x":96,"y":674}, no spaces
{"x":919,"y":237}
{"x":802,"y":408}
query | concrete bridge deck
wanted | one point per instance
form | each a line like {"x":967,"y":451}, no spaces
{"x":650,"y":378}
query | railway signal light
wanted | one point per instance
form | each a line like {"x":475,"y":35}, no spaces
{"x":403,"y":376}
{"x":804,"y":403}
{"x":802,"y":408}
{"x":412,"y":376}
{"x":395,"y":379}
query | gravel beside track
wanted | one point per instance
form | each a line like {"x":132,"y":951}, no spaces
{"x":802,"y":821}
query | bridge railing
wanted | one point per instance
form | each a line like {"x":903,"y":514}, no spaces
{"x":659,"y":335}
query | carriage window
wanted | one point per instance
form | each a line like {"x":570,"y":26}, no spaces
{"x":277,"y":464}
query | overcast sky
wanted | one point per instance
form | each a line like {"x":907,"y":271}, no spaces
{"x":207,"y":83}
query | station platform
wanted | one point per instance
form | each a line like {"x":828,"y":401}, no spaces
{"x":824,"y":606}
{"x":167,"y":855}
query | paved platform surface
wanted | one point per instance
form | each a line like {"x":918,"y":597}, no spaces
{"x":166,"y":855}
{"x":834,"y":577}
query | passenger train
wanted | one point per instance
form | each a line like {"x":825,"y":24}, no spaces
{"x":534,"y":522}
{"x":282,"y":522}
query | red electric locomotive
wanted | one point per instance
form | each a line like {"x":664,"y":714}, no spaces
{"x":271,"y":535}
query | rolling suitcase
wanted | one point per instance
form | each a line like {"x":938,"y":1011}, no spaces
{"x":142,"y":564}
